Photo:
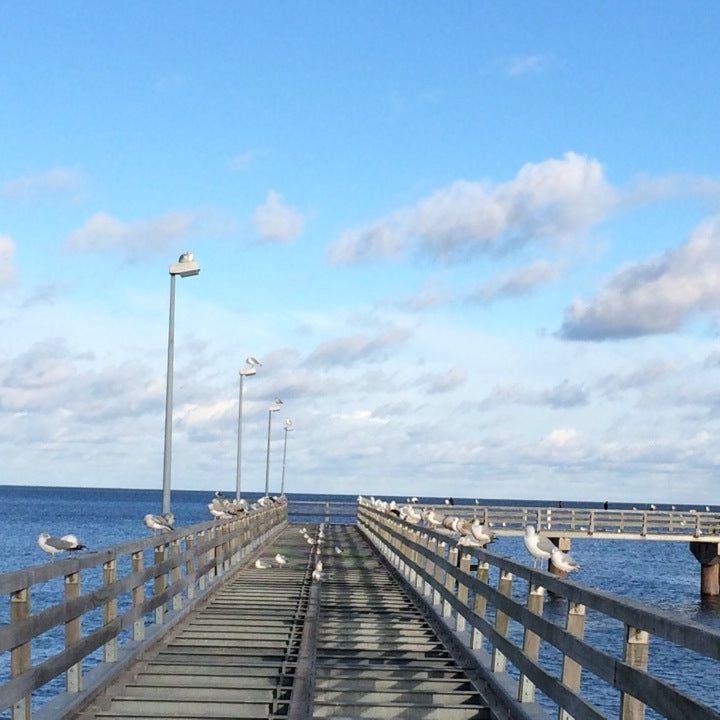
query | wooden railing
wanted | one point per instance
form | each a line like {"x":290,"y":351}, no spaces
{"x":587,"y":522}
{"x":183,"y":568}
{"x":467,"y":602}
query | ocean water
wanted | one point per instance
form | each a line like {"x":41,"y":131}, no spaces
{"x":663,"y":574}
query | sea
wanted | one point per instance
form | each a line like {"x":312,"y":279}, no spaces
{"x":662,"y":574}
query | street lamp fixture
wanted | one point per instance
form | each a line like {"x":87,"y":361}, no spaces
{"x":249,"y":369}
{"x":273,"y":408}
{"x":186,"y":266}
{"x":289,"y":427}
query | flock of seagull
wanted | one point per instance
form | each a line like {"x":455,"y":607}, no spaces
{"x":471,"y":533}
{"x":220,"y":508}
{"x":466,"y":533}
{"x":316,"y":543}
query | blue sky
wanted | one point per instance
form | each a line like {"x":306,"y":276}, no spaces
{"x":475,"y":245}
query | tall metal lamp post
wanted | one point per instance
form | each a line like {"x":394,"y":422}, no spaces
{"x":289,"y":427}
{"x":249,"y":369}
{"x":184,"y":267}
{"x":273,"y":408}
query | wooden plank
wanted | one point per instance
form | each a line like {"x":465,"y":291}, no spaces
{"x":73,"y":678}
{"x":20,"y":656}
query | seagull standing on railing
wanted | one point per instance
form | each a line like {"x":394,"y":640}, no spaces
{"x":159,"y":522}
{"x":537,"y":545}
{"x":54,"y":545}
{"x":563,"y":561}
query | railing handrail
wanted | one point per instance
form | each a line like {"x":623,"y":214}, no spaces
{"x":632,"y":680}
{"x":211,"y":549}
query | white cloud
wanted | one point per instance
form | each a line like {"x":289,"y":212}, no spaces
{"x":7,"y":265}
{"x":276,"y":221}
{"x":561,"y":437}
{"x":552,"y":200}
{"x":653,"y":296}
{"x":562,"y":396}
{"x":104,"y":232}
{"x":241,"y":160}
{"x":517,"y":282}
{"x":527,"y":64}
{"x":56,"y":181}
{"x":350,"y":349}
{"x":443,"y":381}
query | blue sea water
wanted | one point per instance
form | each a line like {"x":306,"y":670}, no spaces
{"x":663,"y":574}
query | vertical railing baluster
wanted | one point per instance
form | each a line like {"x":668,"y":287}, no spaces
{"x":438,"y":573}
{"x":499,"y":661}
{"x":189,"y":568}
{"x":175,"y":573}
{"x":73,"y":676}
{"x":531,"y":642}
{"x":462,"y":593}
{"x":138,"y":596}
{"x":159,"y":584}
{"x":636,"y":655}
{"x":20,"y":655}
{"x":449,"y":582}
{"x":110,"y":610}
{"x":571,"y":670}
{"x":479,"y":603}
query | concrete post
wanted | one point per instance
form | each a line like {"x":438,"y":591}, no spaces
{"x":708,"y":555}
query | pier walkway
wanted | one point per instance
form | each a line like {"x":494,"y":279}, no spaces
{"x":402,"y":625}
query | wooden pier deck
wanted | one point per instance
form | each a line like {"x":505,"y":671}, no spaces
{"x":240,"y":654}
{"x":403,"y":624}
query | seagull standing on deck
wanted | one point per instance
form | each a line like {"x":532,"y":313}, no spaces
{"x":537,"y":545}
{"x":54,"y":545}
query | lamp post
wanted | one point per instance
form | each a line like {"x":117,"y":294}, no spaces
{"x":249,"y":369}
{"x":273,"y":408}
{"x":184,"y":267}
{"x":289,"y":427}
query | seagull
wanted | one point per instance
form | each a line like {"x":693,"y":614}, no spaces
{"x":158,"y":522}
{"x":562,"y":561}
{"x":261,"y":564}
{"x":253,"y":361}
{"x":338,"y":550}
{"x":280,"y":559}
{"x":537,"y":545}
{"x":413,"y":499}
{"x":54,"y":545}
{"x":449,"y":501}
{"x":481,"y":533}
{"x":469,"y":541}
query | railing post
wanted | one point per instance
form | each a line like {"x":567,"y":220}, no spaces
{"x":462,"y":593}
{"x":449,"y":582}
{"x":479,"y":604}
{"x":571,"y":670}
{"x":110,"y":610}
{"x":636,"y":655}
{"x":499,"y":661}
{"x":138,"y":597}
{"x":159,"y":584}
{"x":175,"y":573}
{"x":531,"y":642}
{"x":438,"y":572}
{"x":20,"y":655}
{"x":218,"y":551}
{"x":73,"y":676}
{"x":202,"y":580}
{"x":189,"y":568}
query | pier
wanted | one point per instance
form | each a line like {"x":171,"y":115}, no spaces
{"x":403,"y":624}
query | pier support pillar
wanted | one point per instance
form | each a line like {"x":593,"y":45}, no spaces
{"x":708,"y":555}
{"x":564,"y":544}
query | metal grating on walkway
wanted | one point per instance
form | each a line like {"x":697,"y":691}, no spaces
{"x":372,"y":653}
{"x":376,"y":655}
{"x":234,"y":657}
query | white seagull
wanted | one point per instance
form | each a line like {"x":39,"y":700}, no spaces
{"x":537,"y":545}
{"x":280,"y":559}
{"x":157,"y":522}
{"x":261,"y":564}
{"x":563,"y":561}
{"x":253,"y":361}
{"x":54,"y":545}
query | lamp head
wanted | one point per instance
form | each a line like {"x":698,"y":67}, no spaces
{"x":186,"y":266}
{"x":247,"y":371}
{"x":289,"y":425}
{"x":276,"y":405}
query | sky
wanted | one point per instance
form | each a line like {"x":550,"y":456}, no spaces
{"x":476,"y":246}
